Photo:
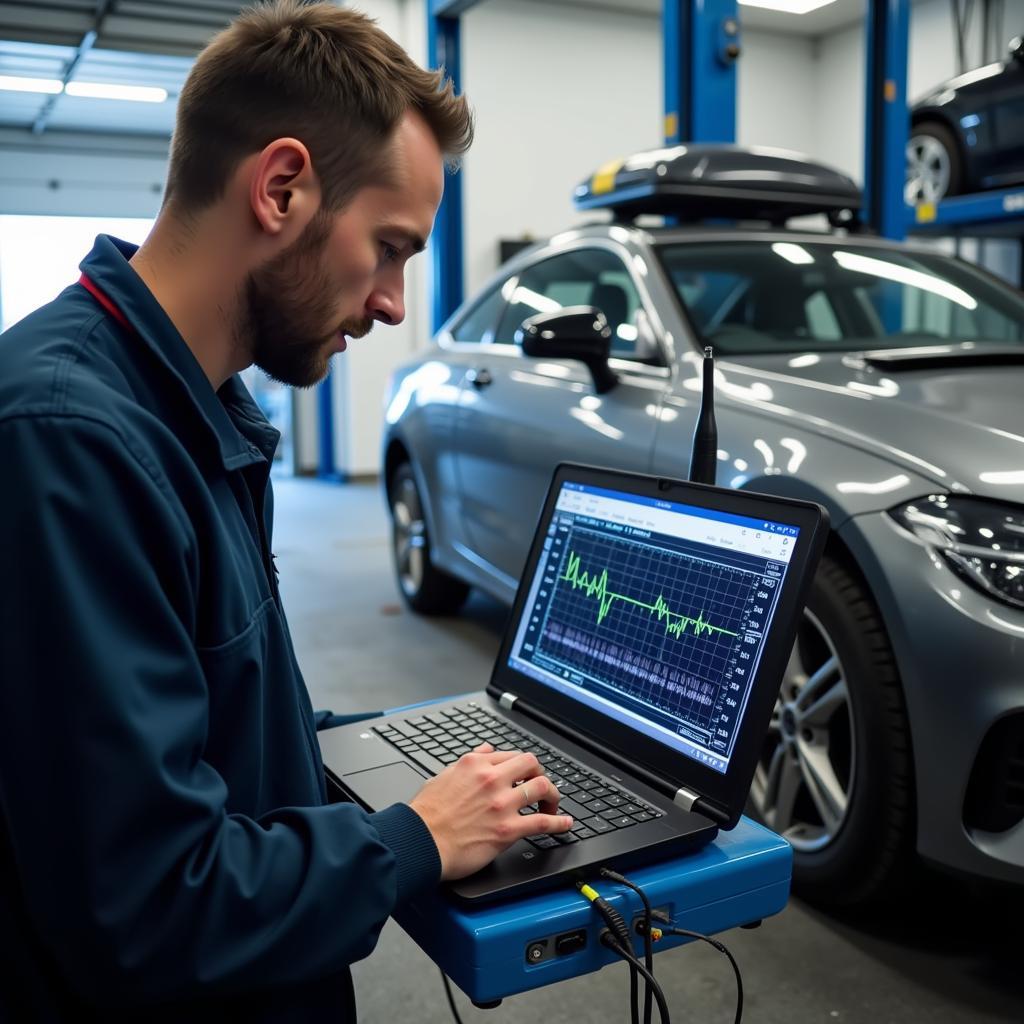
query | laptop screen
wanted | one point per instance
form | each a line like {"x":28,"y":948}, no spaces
{"x":655,"y":613}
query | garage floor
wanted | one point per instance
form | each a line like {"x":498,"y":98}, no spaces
{"x":948,"y":953}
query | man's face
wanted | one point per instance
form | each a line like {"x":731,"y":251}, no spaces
{"x":346,"y":270}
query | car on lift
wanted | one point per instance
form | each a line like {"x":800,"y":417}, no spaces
{"x":968,"y":133}
{"x":881,"y":380}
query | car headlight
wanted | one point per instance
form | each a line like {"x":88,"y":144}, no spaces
{"x":983,"y":542}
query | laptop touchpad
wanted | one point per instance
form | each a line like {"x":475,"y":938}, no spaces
{"x":380,"y":787}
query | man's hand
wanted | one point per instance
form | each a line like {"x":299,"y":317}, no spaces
{"x":472,"y":807}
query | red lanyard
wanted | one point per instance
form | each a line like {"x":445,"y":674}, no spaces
{"x":105,"y":302}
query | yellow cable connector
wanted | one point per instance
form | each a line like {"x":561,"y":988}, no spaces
{"x":591,"y":894}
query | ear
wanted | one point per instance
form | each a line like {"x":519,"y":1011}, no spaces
{"x":284,"y":190}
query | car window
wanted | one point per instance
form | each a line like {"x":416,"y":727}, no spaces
{"x":585,"y":277}
{"x":747,"y":297}
{"x":478,"y":323}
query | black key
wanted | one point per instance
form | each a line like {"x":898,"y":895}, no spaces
{"x":528,"y":809}
{"x":614,"y":800}
{"x":542,"y":842}
{"x":565,"y":838}
{"x":569,"y":806}
{"x":631,"y":809}
{"x":598,"y":824}
{"x":596,"y":789}
{"x":597,"y":806}
{"x":425,"y":760}
{"x":576,"y":777}
{"x":623,"y":821}
{"x":643,"y":816}
{"x":568,"y":789}
{"x":583,"y":832}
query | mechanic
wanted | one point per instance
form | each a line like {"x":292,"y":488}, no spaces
{"x":166,"y":846}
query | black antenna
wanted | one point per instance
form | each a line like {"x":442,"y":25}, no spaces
{"x":704,"y":458}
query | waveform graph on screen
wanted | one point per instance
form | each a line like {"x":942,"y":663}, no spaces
{"x":655,"y":623}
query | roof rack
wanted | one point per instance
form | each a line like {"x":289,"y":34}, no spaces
{"x":711,"y":182}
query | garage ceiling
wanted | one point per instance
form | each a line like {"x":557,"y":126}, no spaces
{"x":116,"y":42}
{"x":153,"y":43}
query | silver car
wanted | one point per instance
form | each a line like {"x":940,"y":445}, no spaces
{"x":885,"y":383}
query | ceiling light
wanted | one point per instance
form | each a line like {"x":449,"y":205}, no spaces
{"x":788,"y":6}
{"x":102,"y":91}
{"x":11,"y":83}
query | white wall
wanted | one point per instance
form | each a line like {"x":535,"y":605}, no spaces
{"x":558,"y":91}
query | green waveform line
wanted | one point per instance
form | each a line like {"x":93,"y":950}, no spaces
{"x":597,"y":586}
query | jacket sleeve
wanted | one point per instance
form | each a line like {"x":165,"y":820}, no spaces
{"x":329,"y":720}
{"x":132,"y":873}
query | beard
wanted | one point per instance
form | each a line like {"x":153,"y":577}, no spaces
{"x":286,"y":309}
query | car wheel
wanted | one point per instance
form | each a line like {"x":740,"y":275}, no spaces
{"x":934,"y":165}
{"x":835,"y":774}
{"x":426,"y":588}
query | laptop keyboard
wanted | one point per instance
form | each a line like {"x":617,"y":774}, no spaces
{"x":597,"y":805}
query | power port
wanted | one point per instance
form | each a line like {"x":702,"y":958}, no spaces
{"x":536,"y":951}
{"x":571,"y":942}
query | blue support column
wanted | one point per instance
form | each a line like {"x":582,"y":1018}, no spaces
{"x":885,"y":138}
{"x":701,"y":40}
{"x":443,"y":50}
{"x":325,"y":433}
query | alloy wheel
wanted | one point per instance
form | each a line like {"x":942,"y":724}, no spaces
{"x":928,"y":170}
{"x":410,"y":537}
{"x":804,"y":779}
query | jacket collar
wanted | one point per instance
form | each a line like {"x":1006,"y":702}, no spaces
{"x":242,"y":432}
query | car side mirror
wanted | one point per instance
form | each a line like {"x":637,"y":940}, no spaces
{"x":1017,"y":48}
{"x":574,"y":332}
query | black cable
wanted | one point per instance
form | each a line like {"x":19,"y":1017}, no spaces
{"x":451,"y":997}
{"x":722,"y":948}
{"x":648,"y":941}
{"x":609,"y":940}
{"x":619,"y":928}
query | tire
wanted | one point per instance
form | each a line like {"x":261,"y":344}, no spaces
{"x":835,"y":777}
{"x":935,"y":166}
{"x":425,"y":588}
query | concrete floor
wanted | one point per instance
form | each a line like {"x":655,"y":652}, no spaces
{"x":947,"y":953}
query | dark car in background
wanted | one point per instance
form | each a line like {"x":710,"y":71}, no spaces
{"x":968,"y":133}
{"x":881,"y":380}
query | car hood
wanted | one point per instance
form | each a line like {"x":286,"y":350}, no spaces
{"x":955,"y":419}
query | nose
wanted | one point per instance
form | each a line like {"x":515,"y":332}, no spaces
{"x":387,"y":305}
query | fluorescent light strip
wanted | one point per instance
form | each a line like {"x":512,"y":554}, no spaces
{"x":90,"y":90}
{"x":11,"y":83}
{"x":102,"y":91}
{"x":788,"y":6}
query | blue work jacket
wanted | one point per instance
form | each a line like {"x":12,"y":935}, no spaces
{"x":166,"y":845}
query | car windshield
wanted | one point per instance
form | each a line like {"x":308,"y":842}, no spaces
{"x":749,"y":297}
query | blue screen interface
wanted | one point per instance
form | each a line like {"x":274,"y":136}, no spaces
{"x":655,"y":613}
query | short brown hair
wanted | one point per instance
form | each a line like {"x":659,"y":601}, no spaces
{"x":325,"y":75}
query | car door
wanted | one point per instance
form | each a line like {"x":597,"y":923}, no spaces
{"x":1007,"y":106}
{"x":518,"y":416}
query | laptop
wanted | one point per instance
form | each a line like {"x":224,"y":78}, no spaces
{"x":641,"y":662}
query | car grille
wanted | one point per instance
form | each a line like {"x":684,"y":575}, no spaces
{"x":995,"y":795}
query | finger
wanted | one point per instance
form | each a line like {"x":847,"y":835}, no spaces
{"x":484,"y":748}
{"x":500,"y":756}
{"x":519,"y":767}
{"x":545,"y":793}
{"x":544,"y":824}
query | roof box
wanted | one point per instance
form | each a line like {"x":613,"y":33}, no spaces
{"x":697,"y":182}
